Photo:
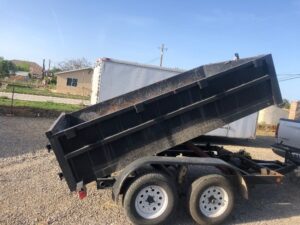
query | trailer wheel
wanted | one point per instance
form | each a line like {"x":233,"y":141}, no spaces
{"x":210,"y":199}
{"x":150,"y":199}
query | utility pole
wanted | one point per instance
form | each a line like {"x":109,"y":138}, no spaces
{"x":162,"y":50}
{"x":49,"y":67}
{"x":43,"y":73}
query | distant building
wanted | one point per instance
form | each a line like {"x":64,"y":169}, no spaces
{"x":19,"y":75}
{"x":34,"y":69}
{"x":294,"y":113}
{"x":76,"y":82}
{"x":272,"y":115}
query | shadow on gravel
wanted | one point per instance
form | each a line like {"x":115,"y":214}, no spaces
{"x":20,"y":135}
{"x":259,"y":141}
{"x":267,"y":202}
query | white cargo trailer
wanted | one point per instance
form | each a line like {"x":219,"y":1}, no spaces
{"x":113,"y":77}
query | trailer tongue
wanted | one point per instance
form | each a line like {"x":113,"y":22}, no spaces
{"x":157,"y":121}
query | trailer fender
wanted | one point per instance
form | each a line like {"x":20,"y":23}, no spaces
{"x":243,"y":188}
{"x":163,"y":160}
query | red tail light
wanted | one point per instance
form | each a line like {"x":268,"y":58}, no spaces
{"x":82,"y":194}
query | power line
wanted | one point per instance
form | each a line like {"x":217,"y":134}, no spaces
{"x":290,"y":78}
{"x":286,"y":74}
{"x":152,"y":60}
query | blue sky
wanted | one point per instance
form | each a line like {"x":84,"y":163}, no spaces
{"x":195,"y":32}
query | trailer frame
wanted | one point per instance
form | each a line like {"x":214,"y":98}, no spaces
{"x":262,"y":171}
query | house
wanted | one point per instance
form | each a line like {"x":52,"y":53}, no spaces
{"x":75,"y":82}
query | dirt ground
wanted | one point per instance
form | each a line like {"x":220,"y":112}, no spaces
{"x":31,"y":192}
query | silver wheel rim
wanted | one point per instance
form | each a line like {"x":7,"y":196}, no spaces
{"x":213,"y":201}
{"x":151,"y":202}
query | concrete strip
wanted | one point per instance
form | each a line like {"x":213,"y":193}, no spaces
{"x":40,"y":98}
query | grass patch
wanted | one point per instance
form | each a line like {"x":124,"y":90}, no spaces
{"x":40,"y":91}
{"x":41,"y":105}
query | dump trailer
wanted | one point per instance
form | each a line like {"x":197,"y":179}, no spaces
{"x":141,"y":143}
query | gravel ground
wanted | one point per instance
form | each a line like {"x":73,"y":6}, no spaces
{"x":31,"y":192}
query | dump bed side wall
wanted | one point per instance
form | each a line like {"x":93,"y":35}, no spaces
{"x":99,"y":147}
{"x":110,"y":77}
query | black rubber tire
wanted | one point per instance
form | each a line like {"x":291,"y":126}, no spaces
{"x":152,"y":178}
{"x":196,"y":190}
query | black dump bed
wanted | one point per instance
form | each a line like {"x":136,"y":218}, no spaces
{"x":96,"y":141}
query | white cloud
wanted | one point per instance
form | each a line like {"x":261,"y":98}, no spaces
{"x":58,"y":28}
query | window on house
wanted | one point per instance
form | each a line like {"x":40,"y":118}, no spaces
{"x":69,"y":81}
{"x":72,"y":82}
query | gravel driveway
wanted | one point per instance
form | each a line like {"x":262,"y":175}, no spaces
{"x":31,"y":192}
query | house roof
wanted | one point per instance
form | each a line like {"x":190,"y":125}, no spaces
{"x":70,"y":71}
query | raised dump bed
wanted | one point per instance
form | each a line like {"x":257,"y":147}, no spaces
{"x":96,"y":141}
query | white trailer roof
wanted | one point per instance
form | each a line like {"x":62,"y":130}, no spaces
{"x":105,"y":59}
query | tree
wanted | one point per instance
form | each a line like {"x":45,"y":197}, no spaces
{"x":73,"y":64}
{"x":285,"y":104}
{"x":6,"y":67}
{"x":55,"y":70}
{"x":52,"y":79}
{"x":23,"y":67}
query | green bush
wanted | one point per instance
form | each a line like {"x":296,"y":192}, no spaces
{"x":5,"y":67}
{"x":23,"y":67}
